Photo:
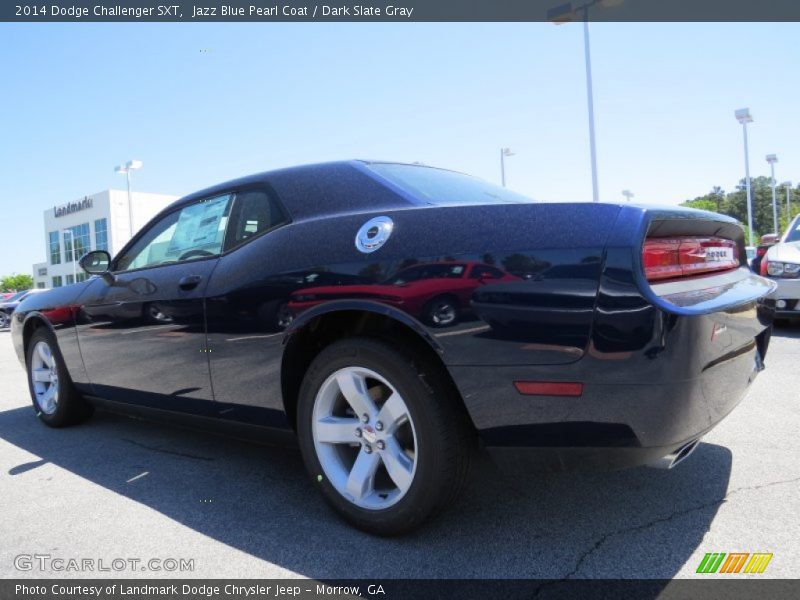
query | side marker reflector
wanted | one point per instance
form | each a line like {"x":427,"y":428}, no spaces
{"x":549,"y":388}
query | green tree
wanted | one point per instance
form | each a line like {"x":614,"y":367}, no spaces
{"x":15,"y":283}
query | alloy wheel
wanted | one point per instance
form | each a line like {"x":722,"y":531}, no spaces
{"x":364,"y":438}
{"x":44,"y":377}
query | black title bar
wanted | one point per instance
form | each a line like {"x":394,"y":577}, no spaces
{"x":198,"y":11}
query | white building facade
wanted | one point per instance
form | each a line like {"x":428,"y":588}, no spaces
{"x":101,"y":221}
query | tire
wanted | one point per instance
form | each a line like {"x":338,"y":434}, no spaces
{"x":441,"y":311}
{"x":428,"y":450}
{"x":46,"y":372}
{"x":4,"y":320}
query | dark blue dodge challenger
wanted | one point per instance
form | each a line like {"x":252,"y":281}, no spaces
{"x":588,"y":335}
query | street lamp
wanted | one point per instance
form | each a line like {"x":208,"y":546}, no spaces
{"x":565,"y":13}
{"x":74,"y":254}
{"x":628,"y":194}
{"x":743,"y":116}
{"x":788,"y":186}
{"x":129,"y":166}
{"x":503,"y":153}
{"x":772,"y":159}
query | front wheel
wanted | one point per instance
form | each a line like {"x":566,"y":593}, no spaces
{"x":55,"y":399}
{"x":5,"y":321}
{"x":381,"y":435}
{"x":441,"y":311}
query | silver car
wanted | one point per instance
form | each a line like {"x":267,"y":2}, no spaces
{"x":782,"y":264}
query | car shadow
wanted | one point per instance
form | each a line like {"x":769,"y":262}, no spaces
{"x":787,"y":330}
{"x":637,"y":523}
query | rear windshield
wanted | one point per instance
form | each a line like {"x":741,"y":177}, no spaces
{"x":445,"y":188}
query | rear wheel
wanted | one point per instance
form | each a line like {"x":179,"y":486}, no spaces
{"x":381,"y":435}
{"x":5,"y":321}
{"x":55,"y":399}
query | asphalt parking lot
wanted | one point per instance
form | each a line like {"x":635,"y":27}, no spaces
{"x":122,"y":488}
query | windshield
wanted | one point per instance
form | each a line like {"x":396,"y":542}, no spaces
{"x":793,"y":235}
{"x":17,"y":296}
{"x":445,"y":188}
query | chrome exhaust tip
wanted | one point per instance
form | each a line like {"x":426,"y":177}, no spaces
{"x":673,"y":458}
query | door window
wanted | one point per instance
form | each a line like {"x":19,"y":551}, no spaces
{"x":193,"y":232}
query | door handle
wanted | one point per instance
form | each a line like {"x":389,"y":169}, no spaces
{"x":189,"y":282}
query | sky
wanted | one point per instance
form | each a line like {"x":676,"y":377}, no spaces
{"x":203,"y":103}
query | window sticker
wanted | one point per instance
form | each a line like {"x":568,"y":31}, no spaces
{"x":198,"y":226}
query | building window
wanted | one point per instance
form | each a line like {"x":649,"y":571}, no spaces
{"x":79,"y":236}
{"x":101,"y":234}
{"x":55,"y":249}
{"x":40,"y":285}
{"x":81,"y":277}
{"x":57,"y":281}
{"x":43,"y":272}
{"x":70,"y":279}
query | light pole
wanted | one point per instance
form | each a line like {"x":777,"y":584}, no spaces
{"x":503,"y":153}
{"x":565,"y":13}
{"x":772,"y":159}
{"x":131,"y":165}
{"x":74,"y":254}
{"x":628,"y":194}
{"x":744,"y":117}
{"x":788,"y":186}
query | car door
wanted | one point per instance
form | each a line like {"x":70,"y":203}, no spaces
{"x":142,"y":330}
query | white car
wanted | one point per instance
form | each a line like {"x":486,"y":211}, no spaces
{"x":782,"y":264}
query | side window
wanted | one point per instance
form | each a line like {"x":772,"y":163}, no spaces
{"x":195,"y":231}
{"x":253,"y":212}
{"x":485,"y":272}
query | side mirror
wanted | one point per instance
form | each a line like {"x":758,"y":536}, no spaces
{"x":95,"y":262}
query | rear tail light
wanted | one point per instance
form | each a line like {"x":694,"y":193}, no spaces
{"x":670,"y":258}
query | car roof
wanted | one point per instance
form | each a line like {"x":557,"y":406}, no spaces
{"x":322,"y":189}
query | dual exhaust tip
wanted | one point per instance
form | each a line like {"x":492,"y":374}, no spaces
{"x":675,"y":457}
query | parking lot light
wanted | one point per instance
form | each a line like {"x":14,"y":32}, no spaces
{"x":744,"y":117}
{"x":628,"y":194}
{"x":788,"y":186}
{"x":772,"y":159}
{"x":503,"y":153}
{"x":131,"y":165}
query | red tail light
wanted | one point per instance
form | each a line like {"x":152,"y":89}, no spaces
{"x":668,"y":258}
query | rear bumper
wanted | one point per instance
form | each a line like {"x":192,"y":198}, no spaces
{"x":611,"y":425}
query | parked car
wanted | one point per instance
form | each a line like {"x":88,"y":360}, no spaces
{"x":781,"y":263}
{"x":765,"y":243}
{"x":8,"y":305}
{"x":617,"y":335}
{"x":437,"y":293}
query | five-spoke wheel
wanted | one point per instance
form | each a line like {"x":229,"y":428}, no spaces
{"x":44,"y":377}
{"x":364,"y":437}
{"x":54,"y":397}
{"x":382,"y":434}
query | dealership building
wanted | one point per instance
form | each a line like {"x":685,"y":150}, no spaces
{"x":101,"y":221}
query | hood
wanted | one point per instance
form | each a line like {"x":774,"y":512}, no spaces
{"x":786,"y":252}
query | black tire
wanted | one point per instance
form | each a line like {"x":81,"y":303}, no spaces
{"x":441,"y":311}
{"x":4,"y":320}
{"x":70,"y":408}
{"x":444,"y":436}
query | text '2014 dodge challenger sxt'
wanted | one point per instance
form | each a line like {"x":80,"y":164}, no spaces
{"x":397,"y":316}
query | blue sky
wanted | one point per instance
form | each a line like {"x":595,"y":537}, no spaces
{"x":202,"y":103}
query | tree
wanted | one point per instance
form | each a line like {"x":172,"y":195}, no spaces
{"x":15,"y":283}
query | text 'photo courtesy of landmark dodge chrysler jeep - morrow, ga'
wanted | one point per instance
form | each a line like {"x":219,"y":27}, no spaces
{"x":397,"y":317}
